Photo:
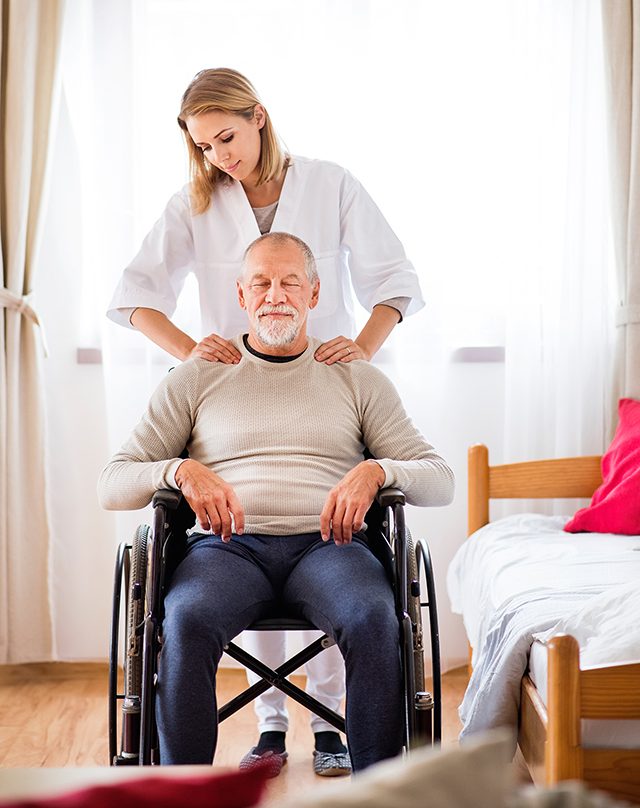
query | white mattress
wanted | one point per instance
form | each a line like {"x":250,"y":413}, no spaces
{"x":523,"y":578}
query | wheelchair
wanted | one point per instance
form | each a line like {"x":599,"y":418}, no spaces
{"x":144,"y":566}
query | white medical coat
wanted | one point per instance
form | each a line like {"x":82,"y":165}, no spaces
{"x":320,"y":203}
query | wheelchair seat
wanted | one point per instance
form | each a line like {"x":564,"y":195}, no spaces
{"x":144,"y":566}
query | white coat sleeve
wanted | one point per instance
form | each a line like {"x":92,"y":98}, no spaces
{"x":155,"y":277}
{"x":378,"y":265}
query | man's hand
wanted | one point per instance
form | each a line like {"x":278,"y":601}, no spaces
{"x":216,"y":349}
{"x":212,"y":499}
{"x":349,"y":501}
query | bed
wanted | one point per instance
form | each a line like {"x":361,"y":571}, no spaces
{"x":572,"y":722}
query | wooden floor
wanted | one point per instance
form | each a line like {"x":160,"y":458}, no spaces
{"x":55,"y":715}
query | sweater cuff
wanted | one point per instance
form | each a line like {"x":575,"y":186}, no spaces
{"x":388,"y":473}
{"x":170,"y":473}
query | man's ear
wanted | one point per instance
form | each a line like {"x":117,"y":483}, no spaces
{"x":315,"y":295}
{"x":241,"y":300}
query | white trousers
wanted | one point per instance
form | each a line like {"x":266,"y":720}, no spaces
{"x":325,"y":679}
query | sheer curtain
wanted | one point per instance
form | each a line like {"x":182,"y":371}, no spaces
{"x":621,"y":22}
{"x":476,"y":127}
{"x":409,"y":97}
{"x":559,"y":328}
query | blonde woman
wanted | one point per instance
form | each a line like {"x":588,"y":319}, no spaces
{"x":244,"y":184}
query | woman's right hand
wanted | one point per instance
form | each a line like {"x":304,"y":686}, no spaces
{"x":216,"y":349}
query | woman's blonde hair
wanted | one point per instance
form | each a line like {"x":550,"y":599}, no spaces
{"x":225,"y":90}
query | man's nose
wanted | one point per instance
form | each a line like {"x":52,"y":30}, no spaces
{"x":276,"y":293}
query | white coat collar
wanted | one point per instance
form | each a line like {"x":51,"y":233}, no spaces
{"x":288,"y":204}
{"x":290,"y":197}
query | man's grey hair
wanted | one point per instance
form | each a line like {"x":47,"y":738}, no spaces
{"x":279,"y":239}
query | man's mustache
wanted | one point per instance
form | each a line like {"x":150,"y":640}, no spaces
{"x":278,"y":309}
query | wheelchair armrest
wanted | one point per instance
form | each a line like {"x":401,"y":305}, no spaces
{"x":169,"y":497}
{"x":390,"y":496}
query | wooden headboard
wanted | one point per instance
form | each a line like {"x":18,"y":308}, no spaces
{"x":536,"y":479}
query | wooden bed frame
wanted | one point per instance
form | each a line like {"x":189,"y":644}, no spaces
{"x":550,"y":736}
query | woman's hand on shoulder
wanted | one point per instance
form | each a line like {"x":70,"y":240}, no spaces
{"x":339,"y":349}
{"x":216,"y":349}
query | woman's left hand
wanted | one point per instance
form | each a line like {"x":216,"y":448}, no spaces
{"x":339,"y":349}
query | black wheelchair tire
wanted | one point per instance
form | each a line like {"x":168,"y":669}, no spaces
{"x":135,"y":612}
{"x":415,"y":613}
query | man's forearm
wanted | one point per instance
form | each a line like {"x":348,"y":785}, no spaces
{"x":426,"y":482}
{"x":128,"y":484}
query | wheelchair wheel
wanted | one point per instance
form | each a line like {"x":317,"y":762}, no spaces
{"x":135,"y":613}
{"x":425,"y":573}
{"x":135,"y":585}
{"x":121,"y":576}
{"x":415,"y":613}
{"x":419,"y":703}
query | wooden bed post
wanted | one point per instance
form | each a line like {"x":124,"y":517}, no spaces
{"x":478,"y":498}
{"x":563,"y":755}
{"x":478,"y":487}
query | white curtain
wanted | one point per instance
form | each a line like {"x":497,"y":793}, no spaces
{"x":558,"y":321}
{"x":621,"y":24}
{"x":409,"y":96}
{"x":476,"y":127}
{"x":29,"y":56}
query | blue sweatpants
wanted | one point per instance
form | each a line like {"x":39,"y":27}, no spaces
{"x":220,"y":589}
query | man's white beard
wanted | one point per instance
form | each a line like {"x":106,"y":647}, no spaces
{"x":277,"y":333}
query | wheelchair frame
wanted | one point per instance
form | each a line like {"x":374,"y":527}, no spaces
{"x":390,"y":541}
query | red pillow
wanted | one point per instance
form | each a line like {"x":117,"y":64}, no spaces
{"x":615,"y":506}
{"x":238,"y":789}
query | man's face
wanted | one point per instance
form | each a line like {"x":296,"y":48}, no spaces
{"x":277,"y":295}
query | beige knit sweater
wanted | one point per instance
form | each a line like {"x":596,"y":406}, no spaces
{"x":282,"y":434}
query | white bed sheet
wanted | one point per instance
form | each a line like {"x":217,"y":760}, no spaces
{"x":530,"y":553}
{"x":522,"y":577}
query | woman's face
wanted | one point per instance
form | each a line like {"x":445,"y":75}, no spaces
{"x":229,"y":142}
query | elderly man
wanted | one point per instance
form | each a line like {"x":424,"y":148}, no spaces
{"x":277,"y":481}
